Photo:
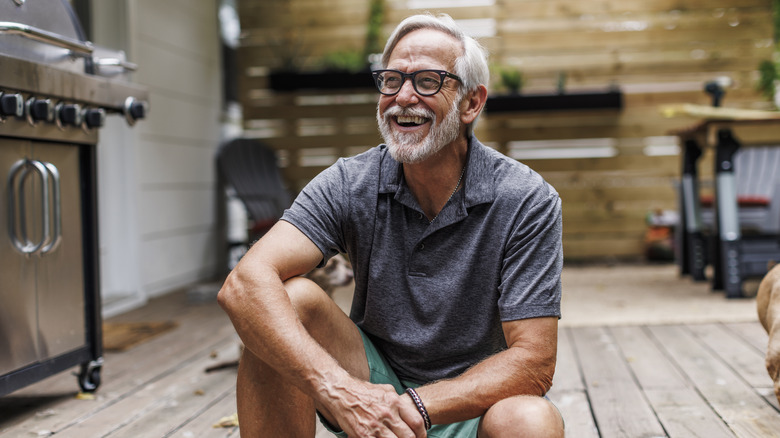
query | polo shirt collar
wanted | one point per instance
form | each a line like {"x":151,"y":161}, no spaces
{"x":478,"y":187}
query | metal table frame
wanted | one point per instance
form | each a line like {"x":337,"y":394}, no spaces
{"x":727,"y":247}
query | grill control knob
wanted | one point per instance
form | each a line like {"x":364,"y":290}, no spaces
{"x":134,"y":110}
{"x":69,"y":114}
{"x":94,"y":117}
{"x":40,"y":110}
{"x":11,"y":105}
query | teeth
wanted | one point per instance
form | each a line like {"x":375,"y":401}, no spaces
{"x":413,"y":119}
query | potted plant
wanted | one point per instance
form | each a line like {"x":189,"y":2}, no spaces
{"x":344,"y":69}
{"x":512,"y":80}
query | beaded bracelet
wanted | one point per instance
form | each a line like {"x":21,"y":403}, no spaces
{"x":420,"y":407}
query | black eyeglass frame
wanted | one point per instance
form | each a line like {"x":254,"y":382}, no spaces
{"x":442,"y":74}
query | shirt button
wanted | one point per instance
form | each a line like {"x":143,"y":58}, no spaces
{"x":420,"y":216}
{"x":421,"y":247}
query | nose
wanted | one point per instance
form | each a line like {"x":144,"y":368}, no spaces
{"x":406,"y":95}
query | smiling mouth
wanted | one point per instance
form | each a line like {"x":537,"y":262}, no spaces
{"x":410,"y":121}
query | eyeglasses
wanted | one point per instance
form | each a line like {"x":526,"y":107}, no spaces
{"x":425,"y":82}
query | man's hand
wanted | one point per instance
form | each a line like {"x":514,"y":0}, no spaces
{"x":364,"y":409}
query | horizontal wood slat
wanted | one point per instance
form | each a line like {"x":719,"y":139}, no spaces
{"x":565,"y":8}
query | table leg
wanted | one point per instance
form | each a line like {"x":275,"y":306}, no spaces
{"x":727,"y":259}
{"x":692,"y":252}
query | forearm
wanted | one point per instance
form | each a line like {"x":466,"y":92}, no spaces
{"x":265,"y":320}
{"x":515,"y":371}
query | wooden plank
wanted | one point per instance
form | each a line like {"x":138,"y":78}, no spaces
{"x":546,"y":81}
{"x":568,"y":390}
{"x":613,"y":44}
{"x":637,"y":107}
{"x":741,"y":408}
{"x":680,"y":408}
{"x":654,"y":100}
{"x":633,"y":211}
{"x":613,"y":227}
{"x":567,"y":373}
{"x":618,"y":404}
{"x":396,"y":15}
{"x":320,"y":141}
{"x":595,"y":166}
{"x":556,"y":8}
{"x":580,"y":63}
{"x":121,"y":376}
{"x":651,"y":368}
{"x":664,"y":25}
{"x":636,"y":130}
{"x":312,"y":38}
{"x":743,"y":358}
{"x":589,"y":247}
{"x":592,"y":213}
{"x":755,"y":337}
{"x":589,"y":194}
{"x":577,"y":416}
{"x":752,"y":333}
{"x":202,"y":425}
{"x":608,"y":180}
{"x":160,"y":407}
{"x":684,"y":414}
{"x":273,"y":112}
{"x":312,"y":16}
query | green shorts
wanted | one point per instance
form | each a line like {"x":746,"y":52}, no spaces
{"x":381,"y":373}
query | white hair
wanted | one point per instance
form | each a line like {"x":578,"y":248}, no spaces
{"x":471,"y":66}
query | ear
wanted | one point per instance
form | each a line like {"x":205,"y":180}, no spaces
{"x":472,"y":104}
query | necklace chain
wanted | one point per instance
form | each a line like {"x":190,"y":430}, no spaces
{"x":457,"y":186}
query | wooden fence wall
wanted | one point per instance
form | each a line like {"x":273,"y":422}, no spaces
{"x":611,"y":166}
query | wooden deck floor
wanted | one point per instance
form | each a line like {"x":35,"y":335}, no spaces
{"x":683,"y":380}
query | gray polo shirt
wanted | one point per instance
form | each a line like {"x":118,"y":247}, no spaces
{"x":432,"y":296}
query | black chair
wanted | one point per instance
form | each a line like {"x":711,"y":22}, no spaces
{"x":250,"y":168}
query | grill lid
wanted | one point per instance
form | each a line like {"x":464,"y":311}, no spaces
{"x":44,"y":32}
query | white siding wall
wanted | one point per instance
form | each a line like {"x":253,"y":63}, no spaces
{"x":157,"y":179}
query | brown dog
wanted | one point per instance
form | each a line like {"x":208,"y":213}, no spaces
{"x":768,"y":303}
{"x":337,"y":272}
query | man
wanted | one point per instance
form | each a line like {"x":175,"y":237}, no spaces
{"x":457,"y":257}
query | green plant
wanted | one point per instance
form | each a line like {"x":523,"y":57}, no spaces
{"x":776,"y":17}
{"x":355,"y":60}
{"x":349,"y":60}
{"x":512,"y":79}
{"x":376,"y":16}
{"x":767,"y":76}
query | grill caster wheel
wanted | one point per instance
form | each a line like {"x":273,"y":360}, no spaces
{"x":89,"y":376}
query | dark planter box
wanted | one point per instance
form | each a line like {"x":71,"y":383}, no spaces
{"x":324,"y":80}
{"x":612,"y":99}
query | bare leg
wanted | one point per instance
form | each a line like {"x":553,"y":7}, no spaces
{"x":270,"y":406}
{"x":522,"y":416}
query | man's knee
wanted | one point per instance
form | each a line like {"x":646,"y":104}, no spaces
{"x":307,"y":298}
{"x":522,"y":416}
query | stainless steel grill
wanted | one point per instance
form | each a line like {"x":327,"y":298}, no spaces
{"x":56,"y":89}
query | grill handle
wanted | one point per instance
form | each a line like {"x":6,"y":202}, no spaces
{"x":25,"y":166}
{"x":115,"y":62}
{"x":84,"y":48}
{"x":56,"y":205}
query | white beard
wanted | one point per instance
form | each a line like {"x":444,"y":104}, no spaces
{"x":416,"y":147}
